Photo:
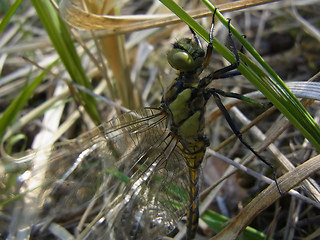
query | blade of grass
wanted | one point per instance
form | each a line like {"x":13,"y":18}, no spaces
{"x":17,"y":104}
{"x":269,"y":84}
{"x":184,"y":16}
{"x":217,"y":222}
{"x":60,"y":37}
{"x":9,"y":14}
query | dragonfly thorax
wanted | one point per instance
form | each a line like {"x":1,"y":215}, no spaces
{"x":185,"y":106}
{"x":185,"y":119}
{"x":184,"y":101}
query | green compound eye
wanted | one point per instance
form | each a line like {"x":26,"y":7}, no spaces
{"x":181,"y":60}
{"x":186,"y":56}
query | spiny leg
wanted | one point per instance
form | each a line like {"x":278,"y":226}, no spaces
{"x":195,"y":37}
{"x":209,"y":47}
{"x":236,"y":131}
{"x":237,"y":96}
{"x":226,"y":71}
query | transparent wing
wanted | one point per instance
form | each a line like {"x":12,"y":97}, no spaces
{"x":125,"y":179}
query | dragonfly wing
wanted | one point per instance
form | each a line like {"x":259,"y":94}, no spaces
{"x":156,"y":197}
{"x":122,"y":180}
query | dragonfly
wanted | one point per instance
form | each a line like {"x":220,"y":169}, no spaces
{"x":137,"y":175}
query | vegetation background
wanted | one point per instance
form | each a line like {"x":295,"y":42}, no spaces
{"x":124,"y":66}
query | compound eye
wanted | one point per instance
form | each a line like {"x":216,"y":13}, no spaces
{"x":181,"y":60}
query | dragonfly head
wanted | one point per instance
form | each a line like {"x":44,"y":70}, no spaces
{"x":186,"y":55}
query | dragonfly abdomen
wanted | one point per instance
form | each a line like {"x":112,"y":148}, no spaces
{"x":193,"y":203}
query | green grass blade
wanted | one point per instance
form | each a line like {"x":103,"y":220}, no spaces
{"x":60,"y":37}
{"x":9,"y":14}
{"x":217,"y":222}
{"x":11,"y":112}
{"x":177,"y":10}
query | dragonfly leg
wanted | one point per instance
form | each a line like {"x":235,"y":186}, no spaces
{"x":223,"y":72}
{"x":195,"y":37}
{"x":230,"y":74}
{"x":237,"y":96}
{"x":236,"y":131}
{"x":210,"y":47}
